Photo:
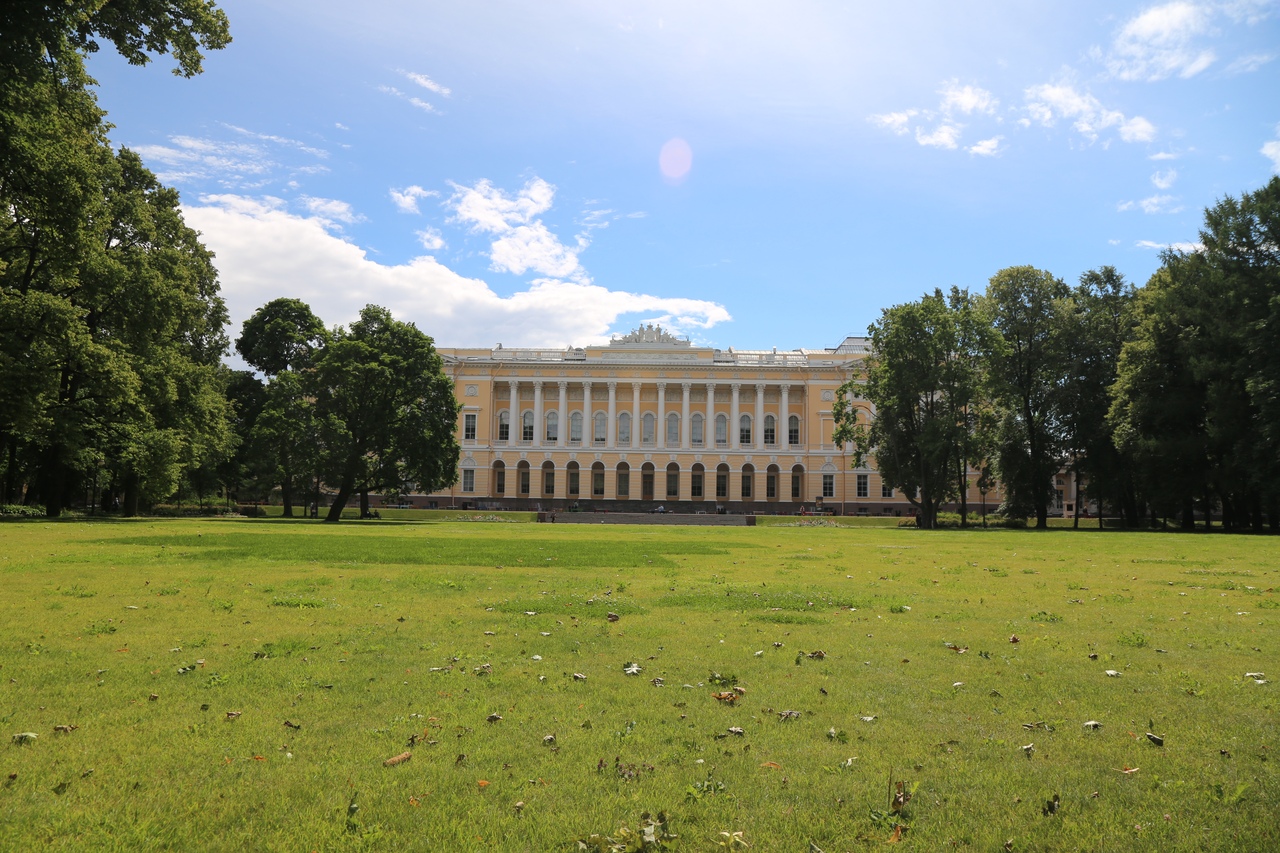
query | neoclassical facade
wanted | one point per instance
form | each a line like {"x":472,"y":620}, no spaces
{"x":649,"y":419}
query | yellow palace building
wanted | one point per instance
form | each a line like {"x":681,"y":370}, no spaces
{"x":651,"y":420}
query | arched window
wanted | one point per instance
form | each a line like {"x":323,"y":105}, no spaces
{"x":622,"y":481}
{"x":673,"y":482}
{"x":722,"y":430}
{"x":744,"y":429}
{"x":673,"y":430}
{"x":624,"y":429}
{"x":553,"y":426}
{"x":697,"y":425}
{"x":504,"y":426}
{"x":793,"y":431}
{"x":526,"y":426}
{"x":499,"y":478}
{"x":647,"y":435}
{"x":770,"y":430}
{"x":575,"y":427}
{"x":599,"y":427}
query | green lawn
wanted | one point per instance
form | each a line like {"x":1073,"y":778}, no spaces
{"x":339,"y":647}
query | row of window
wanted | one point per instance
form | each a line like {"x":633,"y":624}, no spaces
{"x":623,"y":484}
{"x":648,"y":425}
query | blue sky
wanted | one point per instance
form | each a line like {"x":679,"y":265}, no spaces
{"x":750,"y":174}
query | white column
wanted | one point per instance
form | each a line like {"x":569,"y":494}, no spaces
{"x":709,"y":424}
{"x":784,"y":415}
{"x":685,"y":429}
{"x":612,"y":427}
{"x":736,"y":412}
{"x":757,"y":431}
{"x":538,"y":425}
{"x":588,"y":422}
{"x":513,"y":409}
{"x":637,"y":433}
{"x":660,"y":433}
{"x":562,"y":417}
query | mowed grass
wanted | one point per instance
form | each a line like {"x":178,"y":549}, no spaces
{"x":375,"y":639}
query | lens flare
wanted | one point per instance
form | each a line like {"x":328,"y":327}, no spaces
{"x":675,"y":160}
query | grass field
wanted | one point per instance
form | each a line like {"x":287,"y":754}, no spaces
{"x":240,"y":684}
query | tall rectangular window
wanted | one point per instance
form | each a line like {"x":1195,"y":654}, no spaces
{"x":468,"y":479}
{"x":524,"y":481}
{"x":504,"y":427}
{"x":573,"y":483}
{"x":500,"y":482}
{"x":770,"y":431}
{"x":886,"y":490}
{"x":469,"y":427}
{"x":864,"y":485}
{"x":744,"y":430}
{"x":597,"y":484}
{"x":624,"y":484}
{"x":793,"y":431}
{"x":695,"y":484}
{"x":795,"y":487}
{"x":722,"y":485}
{"x":673,"y":485}
{"x":548,"y":482}
{"x":828,"y":485}
{"x":770,"y":485}
{"x":747,"y":477}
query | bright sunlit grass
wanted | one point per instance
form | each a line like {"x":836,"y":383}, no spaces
{"x":342,"y":647}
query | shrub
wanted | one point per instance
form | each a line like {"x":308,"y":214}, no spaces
{"x":20,"y":511}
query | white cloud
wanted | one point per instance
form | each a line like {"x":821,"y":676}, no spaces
{"x":1271,"y":150}
{"x":340,"y":126}
{"x":945,"y":135}
{"x":280,"y":140}
{"x":1158,"y":43}
{"x":1248,"y":64}
{"x":1177,"y":247}
{"x":431,"y":239}
{"x":417,"y":102}
{"x":1048,"y":102}
{"x":406,"y":200}
{"x":987,"y":147}
{"x":427,"y":83}
{"x":898,"y":123}
{"x":1163,"y":155}
{"x":1164,"y":180}
{"x":1137,"y":129}
{"x":966,"y":99}
{"x":330,"y":211}
{"x":264,"y":252}
{"x":1152,"y":204}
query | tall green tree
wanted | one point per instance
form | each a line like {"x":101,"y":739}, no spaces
{"x":1101,"y":320}
{"x":282,"y":335}
{"x":110,"y":325}
{"x":285,"y":438}
{"x":1026,"y":308}
{"x":1196,"y":395}
{"x":386,"y":409}
{"x":922,"y":381}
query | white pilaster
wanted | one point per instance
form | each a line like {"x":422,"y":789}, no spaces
{"x":588,"y":417}
{"x":757,"y":429}
{"x":709,"y":424}
{"x":735,"y":413}
{"x":612,"y":427}
{"x":538,"y":425}
{"x":660,"y":432}
{"x":685,"y":428}
{"x":784,"y":428}
{"x":637,"y":432}
{"x":562,"y":418}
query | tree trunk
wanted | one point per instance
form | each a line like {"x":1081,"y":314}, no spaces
{"x":340,"y":500}
{"x":964,"y":494}
{"x":1188,"y":514}
{"x":364,"y":503}
{"x":1076,"y":501}
{"x":286,"y":497}
{"x":10,"y":488}
{"x":132,"y":488}
{"x":53,"y":482}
